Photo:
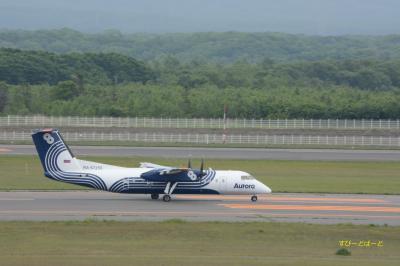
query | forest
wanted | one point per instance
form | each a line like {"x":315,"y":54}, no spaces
{"x":93,"y":81}
{"x":37,"y":67}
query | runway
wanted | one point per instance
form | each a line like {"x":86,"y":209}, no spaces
{"x":221,"y":153}
{"x":310,"y":208}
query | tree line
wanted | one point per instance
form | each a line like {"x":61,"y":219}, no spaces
{"x":110,"y":84}
{"x":37,"y":67}
{"x":155,"y":100}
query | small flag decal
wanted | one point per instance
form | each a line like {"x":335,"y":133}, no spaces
{"x":67,"y":161}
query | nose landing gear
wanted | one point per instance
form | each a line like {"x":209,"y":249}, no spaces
{"x":254,"y":198}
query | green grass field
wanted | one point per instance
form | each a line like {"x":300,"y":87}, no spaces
{"x":192,"y":243}
{"x":25,"y":172}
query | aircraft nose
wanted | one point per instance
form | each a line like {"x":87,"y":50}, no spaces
{"x":264,"y":189}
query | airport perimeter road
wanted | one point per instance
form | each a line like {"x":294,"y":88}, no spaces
{"x":312,"y":208}
{"x":228,"y":153}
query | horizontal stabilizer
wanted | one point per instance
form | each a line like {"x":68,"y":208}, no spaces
{"x":151,"y":165}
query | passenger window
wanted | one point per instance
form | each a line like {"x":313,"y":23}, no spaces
{"x":247,"y":177}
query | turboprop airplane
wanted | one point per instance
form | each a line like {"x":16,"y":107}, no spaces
{"x":60,"y":164}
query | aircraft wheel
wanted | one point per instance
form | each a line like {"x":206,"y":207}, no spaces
{"x":166,"y":198}
{"x":155,"y":196}
{"x":253,"y":198}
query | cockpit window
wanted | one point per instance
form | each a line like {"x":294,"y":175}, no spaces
{"x":247,"y":177}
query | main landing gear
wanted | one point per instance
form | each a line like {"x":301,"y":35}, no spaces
{"x":168,"y":191}
{"x":254,"y":198}
{"x":155,"y":196}
{"x":166,"y":198}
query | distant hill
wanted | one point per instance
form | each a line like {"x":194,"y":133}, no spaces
{"x":224,"y":47}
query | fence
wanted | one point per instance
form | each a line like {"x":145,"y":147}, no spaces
{"x":143,"y":122}
{"x":217,"y":138}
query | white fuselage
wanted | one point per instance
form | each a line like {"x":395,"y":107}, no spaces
{"x":215,"y":182}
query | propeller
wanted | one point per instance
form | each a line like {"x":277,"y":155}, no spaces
{"x":202,"y":168}
{"x":202,"y":173}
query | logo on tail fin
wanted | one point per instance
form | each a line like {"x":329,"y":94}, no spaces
{"x":48,"y":138}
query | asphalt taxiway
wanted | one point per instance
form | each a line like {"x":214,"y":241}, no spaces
{"x":226,"y":153}
{"x":311,"y":208}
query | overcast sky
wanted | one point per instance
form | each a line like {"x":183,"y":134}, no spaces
{"x":321,"y":17}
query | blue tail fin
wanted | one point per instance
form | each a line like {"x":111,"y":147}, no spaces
{"x":49,"y":141}
{"x":59,"y":163}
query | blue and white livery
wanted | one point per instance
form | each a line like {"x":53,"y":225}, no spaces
{"x":60,"y":164}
